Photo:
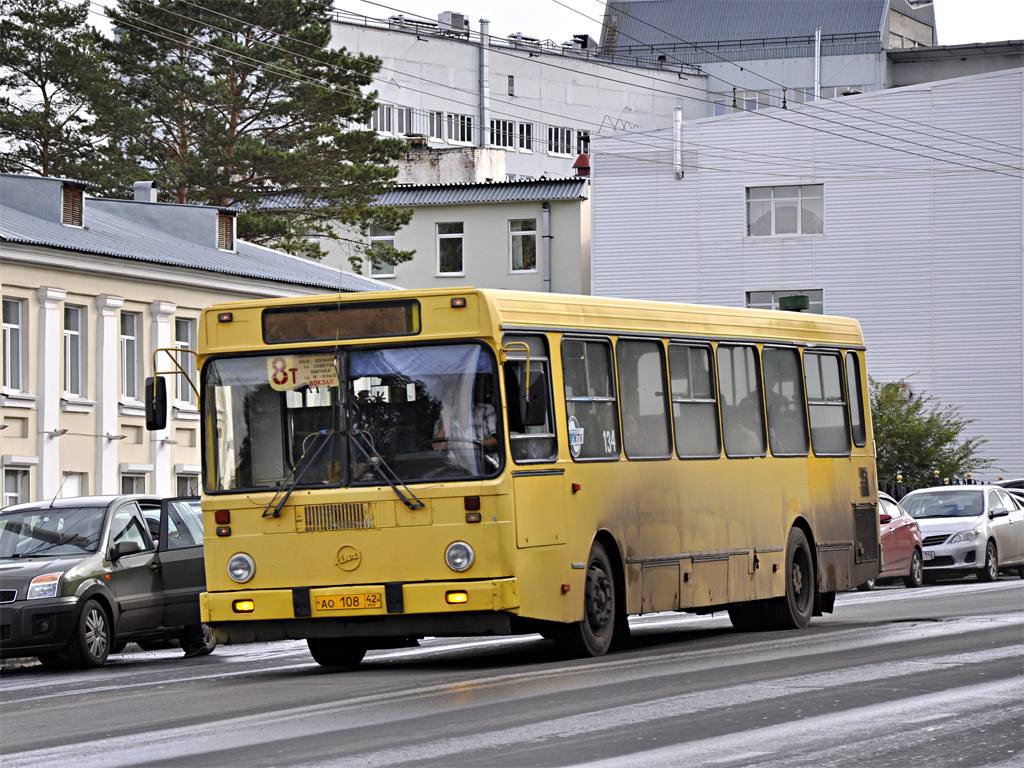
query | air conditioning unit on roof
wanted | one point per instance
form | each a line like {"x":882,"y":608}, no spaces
{"x":457,"y":23}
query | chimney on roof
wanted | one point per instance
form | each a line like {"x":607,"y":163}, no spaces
{"x":582,"y":165}
{"x":145,"y":191}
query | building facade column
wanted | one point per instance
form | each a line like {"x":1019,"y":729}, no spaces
{"x":50,"y":383}
{"x":159,"y":440}
{"x":108,"y":392}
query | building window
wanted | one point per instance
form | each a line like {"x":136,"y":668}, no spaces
{"x":449,"y":248}
{"x":460,"y":128}
{"x":522,"y":244}
{"x":73,"y":485}
{"x":185,"y":338}
{"x":15,"y":486}
{"x":381,"y":119}
{"x":13,"y":348}
{"x":503,"y":133}
{"x":225,"y":232}
{"x":526,"y":137}
{"x":186,"y":485}
{"x":130,"y":355}
{"x":133,"y":483}
{"x":73,"y":350}
{"x":559,"y":140}
{"x":785,"y":210}
{"x":72,"y":201}
{"x":511,"y":85}
{"x":436,"y":127}
{"x":403,"y":120}
{"x":381,"y":238}
{"x":582,"y":142}
{"x":772,"y":299}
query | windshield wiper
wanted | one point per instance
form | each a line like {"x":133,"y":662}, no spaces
{"x":385,"y":471}
{"x":306,"y":460}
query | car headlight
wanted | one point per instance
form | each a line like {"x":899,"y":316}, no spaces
{"x":241,"y":568}
{"x":963,"y":536}
{"x":459,"y":556}
{"x":44,"y":585}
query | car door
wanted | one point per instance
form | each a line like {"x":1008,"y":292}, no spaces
{"x":181,"y":560}
{"x":896,"y":537}
{"x":1014,"y":551}
{"x":134,"y":577}
{"x":1000,"y":525}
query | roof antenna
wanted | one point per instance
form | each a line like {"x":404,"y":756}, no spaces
{"x":64,"y":480}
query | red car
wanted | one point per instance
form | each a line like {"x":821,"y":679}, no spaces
{"x":900,"y":537}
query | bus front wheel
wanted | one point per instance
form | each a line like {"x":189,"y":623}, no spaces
{"x":336,"y":652}
{"x":794,"y":610}
{"x":593,"y":635}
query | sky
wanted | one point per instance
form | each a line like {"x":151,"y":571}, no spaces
{"x":957,"y":21}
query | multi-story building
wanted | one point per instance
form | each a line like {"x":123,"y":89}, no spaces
{"x":901,"y":208}
{"x":91,"y":287}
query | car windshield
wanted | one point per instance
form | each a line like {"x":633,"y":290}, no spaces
{"x":361,"y":416}
{"x":50,"y":532}
{"x":944,"y":504}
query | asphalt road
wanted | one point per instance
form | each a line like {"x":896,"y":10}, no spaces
{"x":897,"y":677}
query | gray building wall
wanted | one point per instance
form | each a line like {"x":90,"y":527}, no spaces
{"x":429,"y":72}
{"x":923,"y":242}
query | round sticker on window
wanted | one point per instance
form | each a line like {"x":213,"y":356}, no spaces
{"x":575,"y":437}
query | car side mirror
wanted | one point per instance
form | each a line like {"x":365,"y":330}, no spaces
{"x":123,"y":548}
{"x":998,"y":512}
{"x":156,"y":403}
{"x":884,"y":518}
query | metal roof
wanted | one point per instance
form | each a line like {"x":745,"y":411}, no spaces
{"x":746,"y":24}
{"x":114,"y":228}
{"x":409,"y":195}
{"x":527,"y":191}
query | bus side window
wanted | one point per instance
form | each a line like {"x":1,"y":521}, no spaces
{"x":856,"y":396}
{"x":830,"y":429}
{"x":739,"y":386}
{"x":645,"y":430}
{"x":694,"y":407}
{"x":784,"y":395}
{"x":590,"y":404}
{"x":530,"y":422}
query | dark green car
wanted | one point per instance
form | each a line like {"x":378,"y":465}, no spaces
{"x":82,"y":577}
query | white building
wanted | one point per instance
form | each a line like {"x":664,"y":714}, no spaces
{"x":538,"y":102}
{"x":91,"y":287}
{"x":902,"y":208}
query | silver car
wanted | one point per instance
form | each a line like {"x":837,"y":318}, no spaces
{"x":975,"y":529}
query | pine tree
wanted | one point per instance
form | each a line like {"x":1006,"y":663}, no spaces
{"x":51,"y":71}
{"x":241,"y":103}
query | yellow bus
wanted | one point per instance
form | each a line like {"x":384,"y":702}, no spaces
{"x":379,"y":468}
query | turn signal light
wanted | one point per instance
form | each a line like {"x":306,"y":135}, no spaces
{"x":223,"y":530}
{"x":456,"y":598}
{"x":458,"y":302}
{"x":225,"y":317}
{"x":243,"y":606}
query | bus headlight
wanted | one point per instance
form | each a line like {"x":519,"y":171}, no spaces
{"x":459,"y":556}
{"x":241,"y":568}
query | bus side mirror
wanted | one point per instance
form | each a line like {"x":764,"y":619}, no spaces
{"x":534,"y":407}
{"x":156,"y":403}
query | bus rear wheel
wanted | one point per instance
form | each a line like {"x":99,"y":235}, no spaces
{"x":336,"y":652}
{"x":593,"y":635}
{"x":794,"y":610}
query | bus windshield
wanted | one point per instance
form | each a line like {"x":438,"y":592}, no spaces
{"x":355,"y":417}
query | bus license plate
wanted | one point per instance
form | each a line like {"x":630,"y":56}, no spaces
{"x":929,"y":555}
{"x":348,"y":602}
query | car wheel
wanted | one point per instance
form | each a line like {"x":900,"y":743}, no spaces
{"x":336,"y":652}
{"x":794,"y":610}
{"x":867,"y":586}
{"x":90,"y":642}
{"x":990,"y":571}
{"x":592,"y":636}
{"x":916,"y":576}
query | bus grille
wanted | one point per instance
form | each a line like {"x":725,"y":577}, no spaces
{"x":931,"y":541}
{"x":865,"y":525}
{"x":335,"y":517}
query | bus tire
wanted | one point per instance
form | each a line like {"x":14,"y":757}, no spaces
{"x":336,"y":652}
{"x":593,"y":635}
{"x":794,"y":610}
{"x":748,"y":617}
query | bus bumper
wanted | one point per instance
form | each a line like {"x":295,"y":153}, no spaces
{"x":405,"y":610}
